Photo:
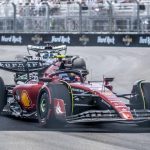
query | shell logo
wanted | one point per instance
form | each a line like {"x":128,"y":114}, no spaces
{"x":25,"y":100}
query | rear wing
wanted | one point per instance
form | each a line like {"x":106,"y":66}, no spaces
{"x":49,"y":48}
{"x":24,"y":67}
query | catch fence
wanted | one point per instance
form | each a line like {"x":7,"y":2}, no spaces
{"x":75,"y":18}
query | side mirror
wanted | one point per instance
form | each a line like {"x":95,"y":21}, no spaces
{"x":107,"y":81}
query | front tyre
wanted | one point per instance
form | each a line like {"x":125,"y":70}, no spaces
{"x":3,"y":98}
{"x":43,"y":108}
{"x":53,"y":105}
{"x":144,"y":124}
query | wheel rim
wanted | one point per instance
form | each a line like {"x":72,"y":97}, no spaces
{"x":43,"y":106}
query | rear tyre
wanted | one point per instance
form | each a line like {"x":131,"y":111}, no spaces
{"x":141,"y":99}
{"x":141,"y":95}
{"x":3,"y":98}
{"x":45,"y":105}
{"x":146,"y":93}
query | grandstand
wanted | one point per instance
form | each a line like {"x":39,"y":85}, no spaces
{"x":45,"y":16}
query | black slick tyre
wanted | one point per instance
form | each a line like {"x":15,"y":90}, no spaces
{"x":45,"y":105}
{"x":3,"y":99}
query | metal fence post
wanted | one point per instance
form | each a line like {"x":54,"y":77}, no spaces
{"x":138,"y":16}
{"x":110,"y":16}
{"x":80,"y":17}
{"x":14,"y":17}
{"x":47,"y":17}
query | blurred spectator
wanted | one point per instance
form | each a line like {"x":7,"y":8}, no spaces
{"x":125,"y":1}
{"x":20,"y":9}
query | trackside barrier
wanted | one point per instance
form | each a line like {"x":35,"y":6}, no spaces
{"x":128,"y":40}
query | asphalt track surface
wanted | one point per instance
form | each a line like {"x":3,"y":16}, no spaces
{"x":125,"y":64}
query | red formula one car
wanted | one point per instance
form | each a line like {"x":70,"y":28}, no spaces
{"x":65,"y":97}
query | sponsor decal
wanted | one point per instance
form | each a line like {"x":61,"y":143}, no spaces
{"x":77,"y":90}
{"x":84,"y":39}
{"x":10,"y":65}
{"x":18,"y":65}
{"x":144,"y":40}
{"x":32,"y":76}
{"x":106,"y":40}
{"x":127,"y":40}
{"x":60,"y":39}
{"x":25,"y":100}
{"x":11,"y":39}
{"x":37,"y":39}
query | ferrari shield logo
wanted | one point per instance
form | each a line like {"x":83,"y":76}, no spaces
{"x":25,"y":100}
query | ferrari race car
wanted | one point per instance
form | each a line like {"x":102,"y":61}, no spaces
{"x":64,"y":96}
{"x":60,"y":93}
